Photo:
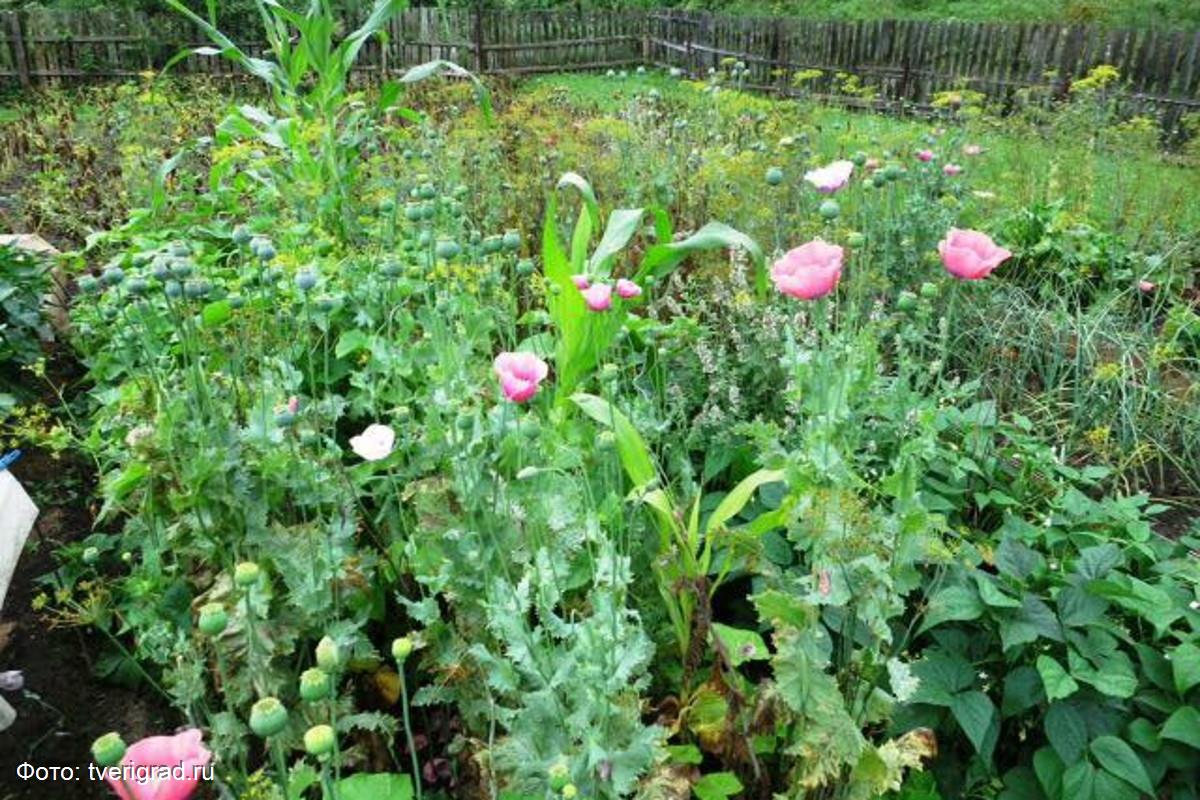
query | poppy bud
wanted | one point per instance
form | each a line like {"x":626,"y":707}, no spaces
{"x":268,"y":717}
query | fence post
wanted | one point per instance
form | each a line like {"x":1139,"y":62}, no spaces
{"x":477,"y":35}
{"x":19,"y":55}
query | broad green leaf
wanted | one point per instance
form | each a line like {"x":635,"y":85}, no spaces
{"x":1079,"y":782}
{"x":717,"y":786}
{"x":662,"y":258}
{"x":1110,"y":787}
{"x":1022,"y":691}
{"x":431,"y":68}
{"x":740,"y":644}
{"x":378,"y":786}
{"x":1049,"y":769}
{"x":635,"y":456}
{"x":954,"y":603}
{"x":684,"y":753}
{"x":1120,"y":759}
{"x":976,"y":715}
{"x":992,"y":594}
{"x":732,"y":504}
{"x":1185,"y":666}
{"x":1183,"y":726}
{"x":1058,"y":683}
{"x":1096,"y":562}
{"x":1144,"y":734}
{"x":1066,"y":730}
{"x":578,"y":182}
{"x":623,"y":223}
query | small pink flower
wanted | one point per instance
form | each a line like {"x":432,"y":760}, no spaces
{"x":972,"y":150}
{"x":1146,"y":286}
{"x":824,"y":583}
{"x":520,"y":375}
{"x":627,"y":290}
{"x":925,"y":155}
{"x":293,"y":404}
{"x":809,"y":271}
{"x":970,"y":255}
{"x":598,"y":297}
{"x":581,"y":282}
{"x":952,"y":170}
{"x":830,"y":178}
{"x":374,"y":443}
{"x":184,"y":756}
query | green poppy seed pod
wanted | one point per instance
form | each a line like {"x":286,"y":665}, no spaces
{"x":173,"y":289}
{"x":112,"y":276}
{"x":285,"y":419}
{"x":235,"y":301}
{"x":196,"y":289}
{"x":161,"y":269}
{"x":88,"y":284}
{"x":328,"y":654}
{"x":268,"y":717}
{"x":387,"y":205}
{"x":906,"y":302}
{"x":891,"y":172}
{"x":428,"y":211}
{"x":246,"y":574}
{"x":91,"y":555}
{"x":606,"y":440}
{"x":318,"y":740}
{"x":241,"y":236}
{"x":530,"y":427}
{"x":774,"y":176}
{"x":213,"y":619}
{"x":447,"y":249}
{"x":929,"y":290}
{"x":138,"y":286}
{"x":127,"y":557}
{"x":326,"y":303}
{"x":554,"y":288}
{"x":427,"y":191}
{"x":266,"y":251}
{"x":829,"y":210}
{"x":424,"y":238}
{"x":878,"y":179}
{"x":182,"y":267}
{"x":859,"y":158}
{"x":465,"y":420}
{"x":108,"y":750}
{"x":427,"y":154}
{"x":409,"y":155}
{"x":856,"y":239}
{"x":569,"y":792}
{"x":492,"y":244}
{"x":315,"y":684}
{"x":306,"y":280}
{"x":325,"y":246}
{"x":559,"y":775}
{"x":525,"y":267}
{"x":413,"y":212}
{"x":179,"y":249}
{"x":512,"y":240}
{"x":401,"y":649}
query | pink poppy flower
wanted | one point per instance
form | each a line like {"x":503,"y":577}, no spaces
{"x":627,"y":290}
{"x":970,"y":255}
{"x":1146,"y":287}
{"x":293,"y":404}
{"x":598,"y":297}
{"x":925,"y":155}
{"x":809,"y":271}
{"x":581,"y":282}
{"x":520,"y":375}
{"x":952,"y":170}
{"x":173,"y":765}
{"x":830,"y":178}
{"x":374,"y":443}
{"x":972,"y":149}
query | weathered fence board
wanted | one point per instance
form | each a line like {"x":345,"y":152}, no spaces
{"x":896,"y":62}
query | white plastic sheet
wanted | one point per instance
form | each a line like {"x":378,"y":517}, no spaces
{"x":17,"y":514}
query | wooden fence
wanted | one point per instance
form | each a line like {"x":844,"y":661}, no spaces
{"x":896,"y":62}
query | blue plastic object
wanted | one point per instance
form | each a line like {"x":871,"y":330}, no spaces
{"x":9,"y":458}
